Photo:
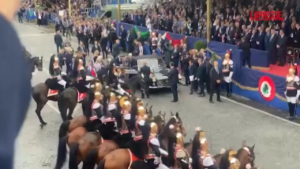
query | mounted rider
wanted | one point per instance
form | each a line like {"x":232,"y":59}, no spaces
{"x":126,"y":116}
{"x":153,"y":158}
{"x":55,"y":82}
{"x":81,"y":84}
{"x":207,"y":160}
{"x":97,"y":106}
{"x":180,"y":153}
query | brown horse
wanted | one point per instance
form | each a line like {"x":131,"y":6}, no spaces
{"x":246,"y":155}
{"x":79,"y":150}
{"x":70,"y":125}
{"x":158,"y":119}
{"x":133,"y":157}
{"x":72,"y":137}
{"x":41,"y":96}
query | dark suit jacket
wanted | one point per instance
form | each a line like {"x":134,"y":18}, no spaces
{"x":61,"y":58}
{"x":82,"y":49}
{"x":245,"y":47}
{"x":260,"y":39}
{"x":214,"y":75}
{"x":281,"y":42}
{"x":94,"y":48}
{"x":58,"y":39}
{"x":145,"y":70}
{"x":123,"y":34}
{"x":129,"y":38}
{"x":201,"y":71}
{"x":115,"y":50}
{"x":273,"y":43}
{"x":173,"y":77}
{"x":192,"y":70}
{"x":103,"y":42}
{"x":117,"y":61}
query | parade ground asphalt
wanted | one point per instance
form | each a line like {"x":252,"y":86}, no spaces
{"x":227,"y":124}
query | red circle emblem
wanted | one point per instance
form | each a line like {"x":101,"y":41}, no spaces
{"x":266,"y":88}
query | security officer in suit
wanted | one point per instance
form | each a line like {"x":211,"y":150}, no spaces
{"x":173,"y":80}
{"x":245,"y":47}
{"x":192,"y":75}
{"x":215,"y":81}
{"x":129,"y":41}
{"x":123,"y":35}
{"x":116,"y":49}
{"x":201,"y":76}
{"x":146,"y":72}
{"x":136,"y":49}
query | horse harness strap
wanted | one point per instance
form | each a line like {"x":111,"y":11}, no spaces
{"x":249,"y":153}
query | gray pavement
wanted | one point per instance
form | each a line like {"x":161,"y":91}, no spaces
{"x":227,"y":124}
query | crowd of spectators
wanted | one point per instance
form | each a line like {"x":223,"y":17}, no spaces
{"x":230,"y":20}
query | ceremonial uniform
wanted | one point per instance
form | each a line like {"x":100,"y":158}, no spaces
{"x":81,"y":84}
{"x":206,"y":159}
{"x":153,"y":157}
{"x":180,"y":152}
{"x":55,"y":72}
{"x":227,"y":74}
{"x":125,"y":125}
{"x":292,"y":92}
{"x":96,"y":105}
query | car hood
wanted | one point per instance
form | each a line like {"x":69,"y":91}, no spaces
{"x":161,"y":74}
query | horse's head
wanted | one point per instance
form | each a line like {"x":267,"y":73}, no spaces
{"x":37,"y":62}
{"x":246,"y":155}
{"x":228,"y":158}
{"x":179,"y":124}
{"x":160,"y":120}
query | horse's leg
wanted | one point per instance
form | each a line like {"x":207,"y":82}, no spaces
{"x":40,"y":103}
{"x":71,"y":110}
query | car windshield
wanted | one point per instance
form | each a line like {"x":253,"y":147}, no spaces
{"x":153,"y":63}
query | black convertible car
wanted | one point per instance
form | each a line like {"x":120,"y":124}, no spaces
{"x":159,"y":71}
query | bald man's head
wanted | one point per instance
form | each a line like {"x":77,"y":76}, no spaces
{"x":144,"y":63}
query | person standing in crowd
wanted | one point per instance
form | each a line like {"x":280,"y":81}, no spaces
{"x":116,"y":49}
{"x":123,"y":35}
{"x":82,"y":48}
{"x":201,"y":76}
{"x":215,"y":77}
{"x":85,"y":41}
{"x":245,"y":47}
{"x":58,"y":40}
{"x":129,"y":42}
{"x":168,"y":52}
{"x":175,"y":56}
{"x":227,"y":73}
{"x":281,"y":48}
{"x":112,"y":36}
{"x":103,"y":44}
{"x":15,"y":91}
{"x":61,"y":57}
{"x":136,"y":49}
{"x":173,"y":80}
{"x":95,"y":47}
{"x":192,"y":74}
{"x":20,"y":15}
{"x":185,"y":68}
{"x":272,"y":46}
{"x":292,"y":92}
{"x":69,"y":61}
{"x":146,"y":72}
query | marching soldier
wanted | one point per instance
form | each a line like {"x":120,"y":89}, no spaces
{"x":145,"y":72}
{"x":292,"y":92}
{"x":154,"y":152}
{"x":126,"y":114}
{"x":55,"y":72}
{"x":227,"y":73}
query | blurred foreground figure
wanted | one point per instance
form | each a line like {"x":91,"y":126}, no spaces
{"x":15,"y":86}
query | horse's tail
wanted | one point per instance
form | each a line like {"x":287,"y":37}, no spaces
{"x":61,"y":152}
{"x":63,"y":129}
{"x":62,"y":106}
{"x":101,"y":165}
{"x":74,"y":149}
{"x":91,"y":158}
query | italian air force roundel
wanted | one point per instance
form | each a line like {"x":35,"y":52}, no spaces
{"x":266,"y":88}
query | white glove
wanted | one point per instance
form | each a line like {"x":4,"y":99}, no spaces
{"x":156,"y":160}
